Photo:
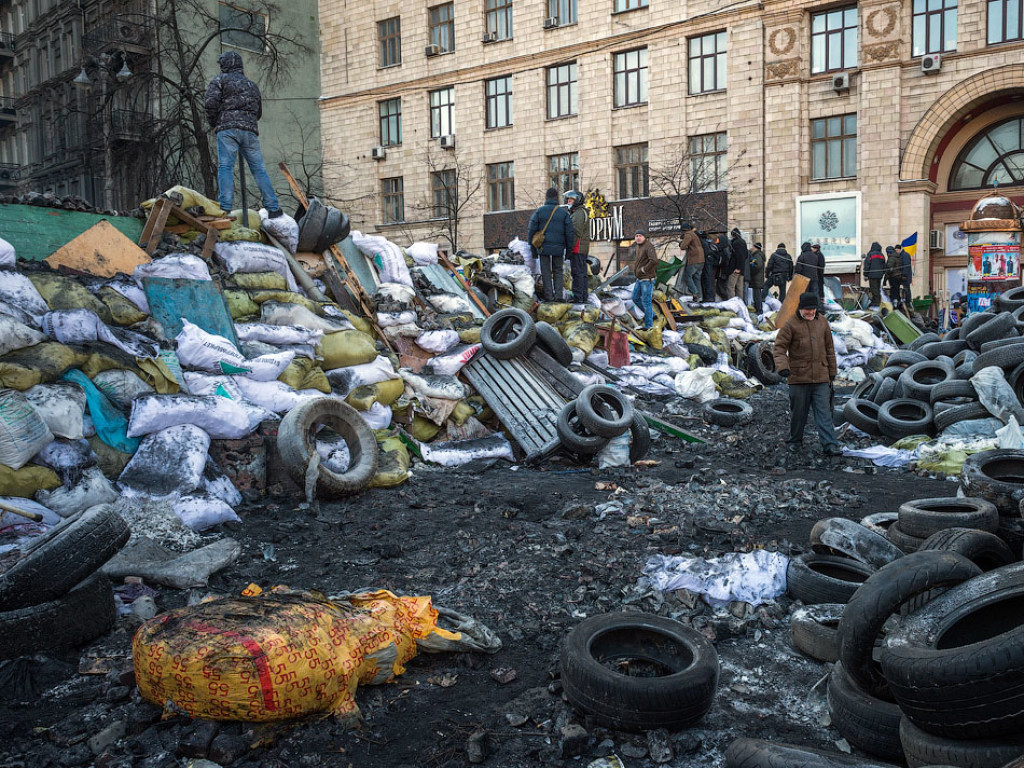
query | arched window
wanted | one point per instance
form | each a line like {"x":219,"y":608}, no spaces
{"x":996,"y":155}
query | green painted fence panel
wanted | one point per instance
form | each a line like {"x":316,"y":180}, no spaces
{"x":36,"y":232}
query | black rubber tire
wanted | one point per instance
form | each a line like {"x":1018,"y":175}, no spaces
{"x":868,"y":723}
{"x":755,"y":753}
{"x":952,"y":334}
{"x":956,"y":666}
{"x":965,"y":412}
{"x":630,"y":703}
{"x":708,"y":355}
{"x":332,"y":223}
{"x":1011,"y":531}
{"x":727,"y":412}
{"x":947,"y":390}
{"x":880,"y":597}
{"x":926,"y":749}
{"x":919,"y":379}
{"x":508,"y":333}
{"x":944,"y":405}
{"x":863,"y":414}
{"x":986,"y":550}
{"x":604,"y":411}
{"x":837,"y":535}
{"x":815,"y":578}
{"x":574,"y":436}
{"x":974,"y":321}
{"x":1011,"y":300}
{"x":639,"y":438}
{"x":867,"y":388}
{"x":926,"y":517}
{"x":879,"y":522}
{"x":81,"y":615}
{"x":904,"y":358}
{"x":903,"y":540}
{"x":996,"y":328}
{"x":1016,"y":380}
{"x":296,"y":443}
{"x":594,"y":265}
{"x":967,"y":356}
{"x":963,"y":372}
{"x":920,"y":341}
{"x":551,"y":341}
{"x":885,"y":391}
{"x":761,"y":361}
{"x":813,"y":630}
{"x":937,"y":348}
{"x":62,"y":557}
{"x":1006,"y":357}
{"x":1006,"y":341}
{"x":892,"y":372}
{"x":311,"y":225}
{"x":996,"y":475}
{"x":904,"y":417}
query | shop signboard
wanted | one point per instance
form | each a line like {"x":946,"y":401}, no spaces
{"x":833,"y":220}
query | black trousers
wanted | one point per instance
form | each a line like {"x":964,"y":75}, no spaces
{"x":579,"y":269}
{"x":758,"y":298}
{"x":776,"y":281}
{"x":707,"y":282}
{"x":875,"y":290}
{"x":551,"y":277}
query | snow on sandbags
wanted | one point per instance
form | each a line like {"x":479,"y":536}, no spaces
{"x":444,"y":387}
{"x":25,"y":505}
{"x":167,"y":462}
{"x":121,"y":387}
{"x":174,"y":265}
{"x":19,"y":292}
{"x":15,"y":335}
{"x":393,"y":319}
{"x":278,"y":334}
{"x":8,"y":257}
{"x":275,"y":396}
{"x":393,"y":268}
{"x":23,"y":432}
{"x":220,"y":417}
{"x":449,"y":303}
{"x":438,"y":342}
{"x":92,"y":488}
{"x":344,"y":380}
{"x":378,"y":416}
{"x":296,"y":315}
{"x":403,"y":294}
{"x":202,"y":351}
{"x":83,"y":326}
{"x":130,"y":290}
{"x":61,"y":406}
{"x":525,"y":251}
{"x":282,"y":228}
{"x":246,"y":257}
{"x":67,"y":457}
{"x":457,"y":453}
{"x":423,"y":254}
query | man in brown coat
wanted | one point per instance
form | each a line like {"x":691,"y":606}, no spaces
{"x":691,"y":246}
{"x":645,"y":267}
{"x":806,"y":357}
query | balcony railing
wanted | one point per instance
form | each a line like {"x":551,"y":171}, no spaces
{"x":119,"y":32}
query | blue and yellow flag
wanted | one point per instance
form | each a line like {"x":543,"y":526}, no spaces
{"x":910,"y":245}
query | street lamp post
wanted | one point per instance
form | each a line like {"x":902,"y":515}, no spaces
{"x":105,"y":65}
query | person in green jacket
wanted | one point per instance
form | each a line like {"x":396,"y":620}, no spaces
{"x":580,"y":251}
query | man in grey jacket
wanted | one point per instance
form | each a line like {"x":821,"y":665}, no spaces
{"x":559,"y":237}
{"x":581,"y":247}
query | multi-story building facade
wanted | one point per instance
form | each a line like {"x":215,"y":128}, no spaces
{"x":845,"y":122}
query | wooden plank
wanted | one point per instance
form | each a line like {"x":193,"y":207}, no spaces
{"x":36,"y":232}
{"x":508,"y":418}
{"x":669,"y":319}
{"x":518,"y":397}
{"x":796,"y":287}
{"x":101,"y":250}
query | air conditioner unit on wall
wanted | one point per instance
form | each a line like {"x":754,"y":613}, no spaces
{"x":550,"y":22}
{"x":931,"y":63}
{"x":432,"y":50}
{"x":448,"y":142}
{"x":489,"y":37}
{"x":935,"y":239}
{"x":841,"y":82}
{"x":378,"y":153}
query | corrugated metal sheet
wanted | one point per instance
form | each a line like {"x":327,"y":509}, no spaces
{"x":438,"y":277}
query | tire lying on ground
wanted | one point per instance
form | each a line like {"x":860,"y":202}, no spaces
{"x":755,"y":753}
{"x":924,"y":517}
{"x":879,"y":522}
{"x":508,"y":333}
{"x":1011,"y":300}
{"x":1006,"y":357}
{"x":880,"y":597}
{"x":863,"y":414}
{"x":919,"y":378}
{"x":974,"y":321}
{"x":986,"y":550}
{"x":639,"y":672}
{"x":296,"y":442}
{"x":574,"y":436}
{"x":639,"y":437}
{"x":996,"y":475}
{"x":837,"y":535}
{"x":926,"y":749}
{"x":902,"y":539}
{"x":947,"y":417}
{"x":726,"y":412}
{"x":946,"y":347}
{"x":956,"y":666}
{"x":81,"y":615}
{"x":866,"y":722}
{"x":1011,"y":531}
{"x":952,"y":389}
{"x":62,"y":557}
{"x":604,"y":411}
{"x":904,"y":417}
{"x":552,"y":342}
{"x":1012,"y":338}
{"x":815,"y":578}
{"x":1016,"y":380}
{"x":813,"y":630}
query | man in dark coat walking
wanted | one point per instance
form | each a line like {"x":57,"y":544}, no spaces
{"x":234,"y":106}
{"x":779,"y":270}
{"x":874,"y":271}
{"x":740,"y":266}
{"x":756,"y":262}
{"x":559,"y":238}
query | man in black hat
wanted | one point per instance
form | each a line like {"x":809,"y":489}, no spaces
{"x":806,"y":358}
{"x":816,"y":250}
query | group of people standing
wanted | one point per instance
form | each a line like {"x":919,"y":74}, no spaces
{"x":894,"y":267}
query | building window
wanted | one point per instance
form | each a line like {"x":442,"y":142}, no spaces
{"x":707,"y":63}
{"x":562,"y":11}
{"x":708,"y":170}
{"x":389,"y":34}
{"x":834,"y":147}
{"x":442,"y":188}
{"x":441,"y":20}
{"x":501,"y":191}
{"x":631,"y":78}
{"x":935,"y":26}
{"x":392,"y":194}
{"x":442,"y":112}
{"x":564,"y":171}
{"x":631,"y":171}
{"x":1005,"y":19}
{"x":498,"y":93}
{"x":499,"y":18}
{"x":390,"y":113}
{"x":995,"y":156}
{"x":834,"y":40}
{"x":562,"y":90}
{"x":240,"y":28}
{"x":629,"y":5}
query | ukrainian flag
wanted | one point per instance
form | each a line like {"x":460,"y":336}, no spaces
{"x":910,"y":245}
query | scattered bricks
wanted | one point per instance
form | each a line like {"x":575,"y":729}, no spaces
{"x":244,"y":461}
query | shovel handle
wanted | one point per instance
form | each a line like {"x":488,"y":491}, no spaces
{"x":35,"y":516}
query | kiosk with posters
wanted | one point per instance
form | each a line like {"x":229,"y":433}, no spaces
{"x":993,"y":251}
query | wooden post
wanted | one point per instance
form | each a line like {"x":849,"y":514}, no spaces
{"x":796,"y":287}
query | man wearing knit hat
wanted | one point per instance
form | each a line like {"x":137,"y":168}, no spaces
{"x":806,"y":358}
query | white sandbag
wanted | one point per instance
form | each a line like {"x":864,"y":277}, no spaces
{"x":615,"y":453}
{"x":437,"y":341}
{"x":200,"y":513}
{"x":219,"y":417}
{"x":91,"y":489}
{"x":450,"y":365}
{"x":523,"y":249}
{"x":696,"y":385}
{"x":167,"y":462}
{"x":16,"y":313}
{"x":392,"y":319}
{"x":407,"y":330}
{"x":121,"y":386}
{"x":228,"y":386}
{"x":275,"y":396}
{"x":444,"y":387}
{"x":204,"y":351}
{"x":62,"y":407}
{"x":283,"y":313}
{"x":392,"y":266}
{"x":277,"y":334}
{"x":449,"y":303}
{"x":344,"y":380}
{"x":25,"y":505}
{"x":130,"y":290}
{"x":403,"y":294}
{"x":174,"y":265}
{"x":16,"y":335}
{"x":8,"y":258}
{"x":334,"y":454}
{"x":423,"y":254}
{"x":242,"y":256}
{"x":219,"y":486}
{"x":66,"y":457}
{"x":282,"y":228}
{"x":23,"y":431}
{"x":457,"y":453}
{"x":211,"y":384}
{"x":378,"y":417}
{"x":18,"y":291}
{"x":83,"y":326}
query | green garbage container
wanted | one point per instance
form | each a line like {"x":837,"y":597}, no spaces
{"x":901,"y":327}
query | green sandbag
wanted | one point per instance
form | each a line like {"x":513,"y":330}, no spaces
{"x":346,"y":348}
{"x":719,"y":340}
{"x":483,"y":411}
{"x":461,"y":412}
{"x":252,"y":219}
{"x":287,"y":297}
{"x":100,"y":357}
{"x":362,"y":398}
{"x":423,"y":429}
{"x":581,"y":336}
{"x":470,"y":335}
{"x":361,"y":323}
{"x":694,"y":362}
{"x":110,"y":460}
{"x":949,"y":462}
{"x":38,"y":364}
{"x":715,"y":322}
{"x":61,"y":292}
{"x":651,"y":338}
{"x":122,"y":311}
{"x":694,"y":335}
{"x":296,"y":372}
{"x":25,"y":482}
{"x":552,"y":312}
{"x":392,"y":463}
{"x":190,"y":199}
{"x":240,"y":304}
{"x":236,"y":233}
{"x":260,"y":281}
{"x":315,"y":378}
{"x":389,"y":390}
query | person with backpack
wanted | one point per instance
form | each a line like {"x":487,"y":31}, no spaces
{"x":779,"y":271}
{"x":894,"y":273}
{"x":874,"y":271}
{"x":551,"y":234}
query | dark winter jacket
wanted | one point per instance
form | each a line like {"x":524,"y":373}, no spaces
{"x":740,"y":256}
{"x":712,"y":256}
{"x":780,"y":264}
{"x":805,"y":347}
{"x":808,"y":265}
{"x":645,"y":263}
{"x":232,"y":99}
{"x":693,"y":248}
{"x":894,"y":268}
{"x":560,"y":236}
{"x":727,"y":264}
{"x":908,"y":267}
{"x":874,"y":263}
{"x":581,"y":226}
{"x":756,"y":262}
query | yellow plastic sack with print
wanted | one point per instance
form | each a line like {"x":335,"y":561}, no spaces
{"x":361,"y":323}
{"x":287,"y":297}
{"x":470,"y":335}
{"x":283,"y":654}
{"x":260,"y":281}
{"x":694,"y":335}
{"x":581,"y":335}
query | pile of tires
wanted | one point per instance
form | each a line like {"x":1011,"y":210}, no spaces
{"x":998,"y":477}
{"x":52,"y":596}
{"x":599,"y":414}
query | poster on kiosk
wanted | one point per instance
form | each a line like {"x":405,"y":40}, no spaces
{"x":993,"y":266}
